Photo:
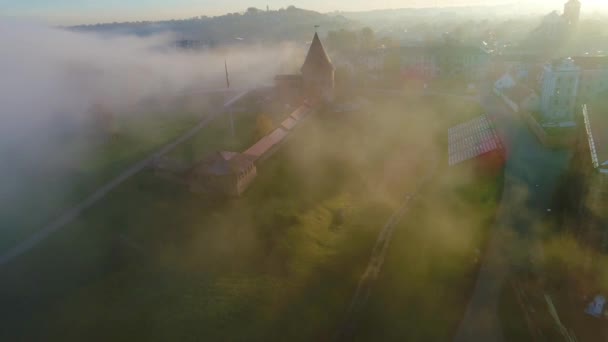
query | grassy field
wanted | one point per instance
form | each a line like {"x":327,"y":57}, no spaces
{"x":85,"y":167}
{"x":155,"y":262}
{"x":432,"y":265}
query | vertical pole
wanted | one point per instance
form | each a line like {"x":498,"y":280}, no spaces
{"x":231,"y":123}
{"x":229,"y":109}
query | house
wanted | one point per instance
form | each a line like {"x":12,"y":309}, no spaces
{"x":515,"y":92}
{"x":522,"y":98}
{"x":506,"y":81}
{"x":476,"y":140}
{"x":559,"y":92}
{"x":227,"y":173}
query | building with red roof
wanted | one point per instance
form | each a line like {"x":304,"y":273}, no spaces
{"x":476,"y":140}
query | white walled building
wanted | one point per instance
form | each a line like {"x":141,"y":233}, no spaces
{"x":569,"y":83}
{"x":560,"y":84}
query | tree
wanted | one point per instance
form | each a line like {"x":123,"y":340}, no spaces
{"x":367,"y":39}
{"x":392,"y":63}
{"x":392,"y":66}
{"x":342,"y":40}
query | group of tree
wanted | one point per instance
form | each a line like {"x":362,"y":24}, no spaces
{"x":344,"y":40}
{"x":252,"y":26}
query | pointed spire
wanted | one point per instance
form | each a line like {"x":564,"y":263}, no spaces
{"x":317,"y":59}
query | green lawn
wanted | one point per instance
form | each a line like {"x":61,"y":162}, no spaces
{"x":155,"y":262}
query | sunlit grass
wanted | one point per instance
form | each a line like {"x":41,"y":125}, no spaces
{"x":157,"y":262}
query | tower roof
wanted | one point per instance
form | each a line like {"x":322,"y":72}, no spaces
{"x":317,"y":58}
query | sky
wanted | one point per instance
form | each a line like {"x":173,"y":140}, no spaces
{"x":92,"y":11}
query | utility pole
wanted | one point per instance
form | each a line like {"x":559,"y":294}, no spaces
{"x":227,"y":90}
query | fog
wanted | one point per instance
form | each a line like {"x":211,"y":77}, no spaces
{"x":53,"y":78}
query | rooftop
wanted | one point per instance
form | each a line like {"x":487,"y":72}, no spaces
{"x":591,"y":62}
{"x":317,"y":59}
{"x":266,"y":143}
{"x":519,"y":93}
{"x":472,"y":139}
{"x":222,"y":164}
{"x":596,"y":124}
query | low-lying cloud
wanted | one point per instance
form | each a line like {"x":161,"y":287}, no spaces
{"x":51,"y":78}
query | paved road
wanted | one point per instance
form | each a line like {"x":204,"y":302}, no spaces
{"x":100,"y":193}
{"x":531,"y":176}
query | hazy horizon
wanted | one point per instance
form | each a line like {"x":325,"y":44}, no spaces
{"x":70,"y":12}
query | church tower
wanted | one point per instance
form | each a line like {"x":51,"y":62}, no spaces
{"x":318,"y":72}
{"x":572,"y":12}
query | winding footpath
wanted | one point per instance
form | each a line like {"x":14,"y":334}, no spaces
{"x":71,"y":214}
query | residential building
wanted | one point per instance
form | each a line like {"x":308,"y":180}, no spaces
{"x":560,"y":82}
{"x":516,"y":87}
{"x":569,"y":83}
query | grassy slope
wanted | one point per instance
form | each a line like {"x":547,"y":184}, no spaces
{"x":48,"y":197}
{"x":154,"y":262}
{"x":431,"y":268}
{"x":281,"y":261}
{"x":432,"y":264}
